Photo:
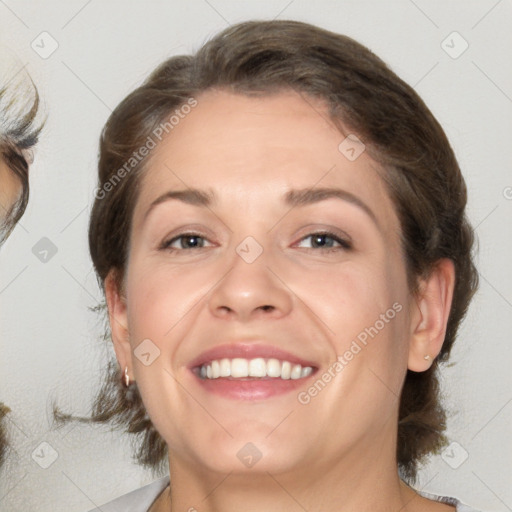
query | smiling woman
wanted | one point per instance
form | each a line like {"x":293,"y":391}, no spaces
{"x":254,"y":256}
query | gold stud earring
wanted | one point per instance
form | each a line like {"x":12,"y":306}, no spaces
{"x":126,"y":377}
{"x":427,"y":357}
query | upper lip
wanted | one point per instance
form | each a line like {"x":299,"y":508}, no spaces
{"x":247,"y":351}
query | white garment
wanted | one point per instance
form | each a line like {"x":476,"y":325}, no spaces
{"x":141,"y":499}
{"x":136,"y":501}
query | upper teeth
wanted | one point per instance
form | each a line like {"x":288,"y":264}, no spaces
{"x":259,"y":367}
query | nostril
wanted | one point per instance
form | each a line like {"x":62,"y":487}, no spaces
{"x":266,"y":308}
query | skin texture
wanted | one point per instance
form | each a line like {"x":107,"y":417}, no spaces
{"x":338,"y":451}
{"x":9,"y":190}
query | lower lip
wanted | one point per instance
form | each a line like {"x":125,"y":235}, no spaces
{"x":251,"y":389}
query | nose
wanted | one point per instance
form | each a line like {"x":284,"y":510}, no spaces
{"x":251,"y":290}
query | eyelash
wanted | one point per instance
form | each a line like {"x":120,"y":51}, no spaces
{"x":345,"y":244}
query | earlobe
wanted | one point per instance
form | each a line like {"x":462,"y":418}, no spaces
{"x":433,"y":303}
{"x":118,"y":319}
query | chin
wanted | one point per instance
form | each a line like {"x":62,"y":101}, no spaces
{"x":247,"y":453}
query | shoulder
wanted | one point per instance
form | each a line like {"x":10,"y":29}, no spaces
{"x":136,"y":501}
{"x":454,"y":502}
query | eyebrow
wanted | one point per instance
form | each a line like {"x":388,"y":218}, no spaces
{"x":314,"y":195}
{"x":191,"y":196}
{"x":293,"y":198}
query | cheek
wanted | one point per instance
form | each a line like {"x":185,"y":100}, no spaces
{"x":354,"y":297}
{"x":160,"y":308}
{"x":160,"y":297}
{"x":343,"y":299}
{"x":10,"y":188}
{"x":366,"y":309}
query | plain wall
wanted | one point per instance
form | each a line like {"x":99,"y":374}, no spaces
{"x":50,"y":341}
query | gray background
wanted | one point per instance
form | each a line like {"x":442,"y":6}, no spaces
{"x":50,"y":347}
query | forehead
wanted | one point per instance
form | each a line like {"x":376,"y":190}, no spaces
{"x":245,"y":146}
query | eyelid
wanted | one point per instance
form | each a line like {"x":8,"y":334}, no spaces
{"x":345,"y":242}
{"x":343,"y":239}
{"x":187,"y":230}
{"x":198,"y":230}
{"x":173,"y":238}
{"x":325,"y":230}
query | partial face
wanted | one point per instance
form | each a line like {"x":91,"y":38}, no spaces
{"x":10,"y":189}
{"x":272,"y":289}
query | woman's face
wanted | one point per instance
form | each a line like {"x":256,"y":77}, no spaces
{"x":237,"y":268}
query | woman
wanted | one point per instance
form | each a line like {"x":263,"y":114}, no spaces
{"x":19,"y":104}
{"x":280,"y":232}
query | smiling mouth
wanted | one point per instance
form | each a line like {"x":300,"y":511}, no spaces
{"x":252,"y":369}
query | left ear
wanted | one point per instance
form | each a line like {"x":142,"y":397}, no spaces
{"x":429,"y":319}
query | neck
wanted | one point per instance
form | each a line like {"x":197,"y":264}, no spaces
{"x":354,"y":483}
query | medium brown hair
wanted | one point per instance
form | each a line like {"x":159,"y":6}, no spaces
{"x":363,"y":95}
